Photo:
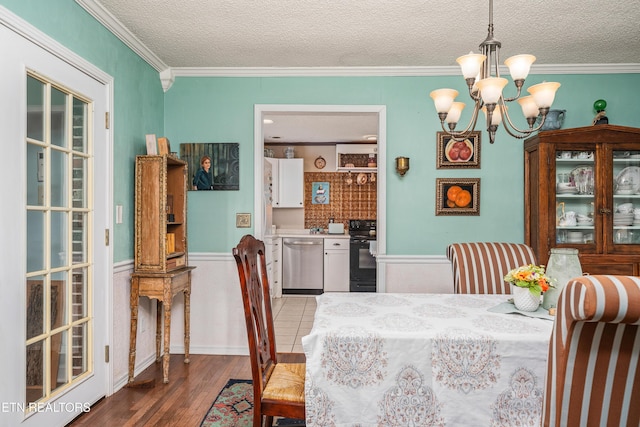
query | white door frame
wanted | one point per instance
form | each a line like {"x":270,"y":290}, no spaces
{"x":12,"y":285}
{"x":260,"y":110}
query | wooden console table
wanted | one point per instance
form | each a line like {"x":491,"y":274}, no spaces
{"x":161,"y":287}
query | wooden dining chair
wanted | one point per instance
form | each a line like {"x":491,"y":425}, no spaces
{"x":593,"y":370}
{"x":278,"y":388}
{"x":480,"y":267}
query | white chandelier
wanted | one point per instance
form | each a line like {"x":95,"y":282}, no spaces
{"x":482,"y":74}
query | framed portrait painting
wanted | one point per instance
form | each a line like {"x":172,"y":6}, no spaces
{"x":453,"y":154}
{"x":457,"y":196}
{"x":212,"y":165}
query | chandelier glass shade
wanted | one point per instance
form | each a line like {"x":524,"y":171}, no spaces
{"x":482,"y":74}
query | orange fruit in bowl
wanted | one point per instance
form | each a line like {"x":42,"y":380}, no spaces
{"x":453,"y":191}
{"x":463,"y":198}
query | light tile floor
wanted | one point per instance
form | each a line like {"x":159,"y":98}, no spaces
{"x":292,"y":319}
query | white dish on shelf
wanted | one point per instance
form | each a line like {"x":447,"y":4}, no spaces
{"x":634,"y":156}
{"x":564,"y":186}
{"x":568,"y":190}
{"x":629,"y":179}
{"x":625,"y":192}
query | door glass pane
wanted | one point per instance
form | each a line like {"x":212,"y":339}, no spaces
{"x":79,"y":176}
{"x":575,"y":196}
{"x":35,"y":175}
{"x":58,"y":355}
{"x":58,"y":300}
{"x":59,"y":221}
{"x":58,"y":178}
{"x":35,"y":306}
{"x":79,"y":125}
{"x":79,"y":301}
{"x":35,"y":109}
{"x":79,"y":350}
{"x":58,"y":118}
{"x":35,"y":240}
{"x":79,"y":238}
{"x":35,"y":371}
{"x":626,"y":197}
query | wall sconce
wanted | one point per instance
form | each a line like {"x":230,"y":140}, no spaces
{"x":402,"y":165}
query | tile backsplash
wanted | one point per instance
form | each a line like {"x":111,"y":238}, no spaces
{"x":346,"y":201}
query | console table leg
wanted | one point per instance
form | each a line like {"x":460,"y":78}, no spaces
{"x":133,"y":302}
{"x":187,"y":315}
{"x":167,"y":296}
{"x":159,"y":307}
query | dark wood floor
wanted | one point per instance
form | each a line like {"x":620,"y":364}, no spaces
{"x":183,"y":402}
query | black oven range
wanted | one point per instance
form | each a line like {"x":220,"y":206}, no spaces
{"x":362,"y":264}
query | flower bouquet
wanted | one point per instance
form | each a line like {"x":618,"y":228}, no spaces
{"x":531,"y":277}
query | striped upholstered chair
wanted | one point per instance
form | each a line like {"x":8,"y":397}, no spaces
{"x":479,"y":268}
{"x":593,"y":372}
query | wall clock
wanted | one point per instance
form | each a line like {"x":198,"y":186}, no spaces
{"x":320,"y":162}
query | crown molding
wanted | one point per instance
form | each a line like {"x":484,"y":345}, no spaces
{"x":111,"y":23}
{"x":389,"y":71}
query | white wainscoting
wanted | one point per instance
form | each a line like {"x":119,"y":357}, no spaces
{"x":217,"y":317}
{"x":415,"y":274}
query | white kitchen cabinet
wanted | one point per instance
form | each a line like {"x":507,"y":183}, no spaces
{"x":336,"y":265}
{"x":287,"y":177}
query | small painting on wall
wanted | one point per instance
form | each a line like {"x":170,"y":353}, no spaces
{"x":457,"y":196}
{"x":212,"y":165}
{"x":320,"y":193}
{"x":463,"y":154}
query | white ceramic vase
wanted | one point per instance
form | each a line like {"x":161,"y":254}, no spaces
{"x":523,"y":299}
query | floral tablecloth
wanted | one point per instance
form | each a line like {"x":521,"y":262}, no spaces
{"x":423,"y":360}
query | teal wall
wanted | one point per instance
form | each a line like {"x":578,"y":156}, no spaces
{"x":138,"y":96}
{"x":217,"y":109}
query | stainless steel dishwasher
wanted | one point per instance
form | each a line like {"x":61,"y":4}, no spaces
{"x":302,"y":265}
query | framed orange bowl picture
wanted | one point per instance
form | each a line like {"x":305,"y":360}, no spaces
{"x":457,"y":196}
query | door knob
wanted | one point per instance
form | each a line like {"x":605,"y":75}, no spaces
{"x":605,"y":211}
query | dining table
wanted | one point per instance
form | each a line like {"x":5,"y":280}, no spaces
{"x":392,"y":359}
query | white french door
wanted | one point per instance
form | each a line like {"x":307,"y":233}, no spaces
{"x":59,"y":177}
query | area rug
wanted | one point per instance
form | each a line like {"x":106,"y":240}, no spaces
{"x":234,"y":407}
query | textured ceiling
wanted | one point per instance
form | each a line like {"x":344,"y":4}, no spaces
{"x":347,"y":33}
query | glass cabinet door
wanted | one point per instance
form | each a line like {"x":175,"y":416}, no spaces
{"x":626,"y":197}
{"x":575,"y":197}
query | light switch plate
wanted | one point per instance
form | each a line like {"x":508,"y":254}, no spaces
{"x":243,"y":220}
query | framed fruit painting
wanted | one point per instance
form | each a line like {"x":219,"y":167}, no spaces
{"x":457,"y":196}
{"x":453,"y":154}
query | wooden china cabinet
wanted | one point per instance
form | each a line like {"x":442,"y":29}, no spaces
{"x":581,"y":186}
{"x":161,"y":269}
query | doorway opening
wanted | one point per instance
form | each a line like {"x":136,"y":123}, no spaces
{"x":263,"y":111}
